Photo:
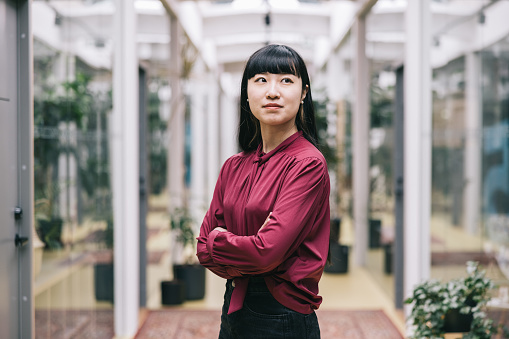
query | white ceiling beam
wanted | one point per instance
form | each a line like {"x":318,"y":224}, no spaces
{"x":310,"y":25}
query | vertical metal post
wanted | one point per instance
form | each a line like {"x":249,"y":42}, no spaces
{"x":212,"y":123}
{"x":473,"y":128}
{"x":360,"y":143}
{"x":25,"y":164}
{"x":144,"y":185}
{"x":229,"y":119}
{"x":125,"y":174}
{"x":176,"y":123}
{"x":198,"y":151}
{"x":417,"y":170}
{"x":399,"y":192}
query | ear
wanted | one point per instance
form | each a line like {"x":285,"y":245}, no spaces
{"x":304,"y":92}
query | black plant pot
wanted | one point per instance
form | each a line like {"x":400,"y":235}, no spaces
{"x":375,"y":232}
{"x":339,"y":259}
{"x":193,"y":276}
{"x":388,"y":257}
{"x":456,"y":322}
{"x":103,"y":282}
{"x":173,"y":292}
{"x":335,"y":229}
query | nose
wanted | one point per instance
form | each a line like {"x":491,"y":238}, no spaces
{"x":272,"y":91}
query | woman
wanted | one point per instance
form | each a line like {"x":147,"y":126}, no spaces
{"x":267,"y":228}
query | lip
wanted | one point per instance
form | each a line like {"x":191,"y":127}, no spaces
{"x":272,"y":106}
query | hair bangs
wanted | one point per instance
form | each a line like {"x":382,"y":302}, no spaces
{"x":277,"y":60}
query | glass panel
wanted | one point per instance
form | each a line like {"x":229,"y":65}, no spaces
{"x":470,"y":152}
{"x":73,"y":283}
{"x":381,"y":231}
{"x":384,"y":50}
{"x":495,"y":156}
{"x":158,"y":224}
{"x":341,"y":172}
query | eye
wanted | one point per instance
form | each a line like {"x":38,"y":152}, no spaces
{"x":287,"y":81}
{"x":260,"y":79}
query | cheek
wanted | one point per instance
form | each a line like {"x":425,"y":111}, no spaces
{"x":251,"y":92}
{"x":297,"y":98}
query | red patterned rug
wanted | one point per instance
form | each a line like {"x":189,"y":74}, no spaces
{"x":70,"y":324}
{"x":189,"y":324}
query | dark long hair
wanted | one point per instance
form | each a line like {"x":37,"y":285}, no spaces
{"x":275,"y":59}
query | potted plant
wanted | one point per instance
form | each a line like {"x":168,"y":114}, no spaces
{"x":338,"y":253}
{"x":103,"y":265}
{"x":454,"y":306}
{"x":48,"y":224}
{"x":188,"y":275}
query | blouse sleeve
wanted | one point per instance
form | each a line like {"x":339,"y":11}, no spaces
{"x":300,"y":203}
{"x":213,"y":218}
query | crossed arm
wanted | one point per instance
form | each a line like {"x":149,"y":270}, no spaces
{"x":230,"y":256}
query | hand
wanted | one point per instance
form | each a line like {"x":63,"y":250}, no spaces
{"x":220,"y":229}
{"x":266,"y":222}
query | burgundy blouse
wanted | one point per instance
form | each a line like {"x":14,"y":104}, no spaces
{"x":292,"y":182}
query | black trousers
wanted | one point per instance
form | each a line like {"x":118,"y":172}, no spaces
{"x":264,"y":317}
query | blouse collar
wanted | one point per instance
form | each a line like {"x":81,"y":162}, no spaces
{"x":263,"y":157}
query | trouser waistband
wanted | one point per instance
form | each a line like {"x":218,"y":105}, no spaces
{"x":256,"y":284}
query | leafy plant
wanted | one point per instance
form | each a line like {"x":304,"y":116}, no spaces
{"x":327,"y":142}
{"x":433,"y":301}
{"x":157,"y":148}
{"x":182,"y":224}
{"x":71,"y":119}
{"x":47,"y":224}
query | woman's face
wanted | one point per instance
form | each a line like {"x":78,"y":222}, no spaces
{"x":274,"y":99}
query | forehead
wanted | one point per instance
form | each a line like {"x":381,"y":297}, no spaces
{"x":274,"y":64}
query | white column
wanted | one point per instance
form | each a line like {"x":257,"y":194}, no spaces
{"x":473,"y":128}
{"x":229,"y":117}
{"x":360,"y":143}
{"x":125,"y":170}
{"x":198,"y":143}
{"x":334,"y":72}
{"x":334,"y":93}
{"x":67,"y":175}
{"x":417,"y":124}
{"x":213,"y":164}
{"x":176,"y":166}
{"x":65,"y":70}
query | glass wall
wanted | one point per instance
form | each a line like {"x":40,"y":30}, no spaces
{"x":384,"y":50}
{"x":73,"y":286}
{"x":335,"y":129}
{"x":158,"y":223}
{"x":73,"y":55}
{"x":470,"y":99}
{"x":494,"y":82}
{"x":448,"y":172}
{"x":470,"y":168}
{"x":381,"y":224}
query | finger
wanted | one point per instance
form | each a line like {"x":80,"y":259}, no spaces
{"x":266,"y":221}
{"x":268,"y":217}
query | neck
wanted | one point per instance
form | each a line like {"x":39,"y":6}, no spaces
{"x":272,"y":138}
